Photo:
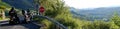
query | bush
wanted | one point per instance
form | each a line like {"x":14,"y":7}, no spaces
{"x":100,"y":25}
{"x":116,"y":19}
{"x":0,"y":18}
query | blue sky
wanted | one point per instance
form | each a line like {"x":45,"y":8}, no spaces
{"x":80,"y":4}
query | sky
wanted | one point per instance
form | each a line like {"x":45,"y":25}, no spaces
{"x":80,"y":4}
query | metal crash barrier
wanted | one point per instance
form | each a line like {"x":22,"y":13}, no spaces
{"x":53,"y":21}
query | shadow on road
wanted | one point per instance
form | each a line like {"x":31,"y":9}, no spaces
{"x":3,"y":25}
{"x":31,"y":26}
{"x":28,"y":25}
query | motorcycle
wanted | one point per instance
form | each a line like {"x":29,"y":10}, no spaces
{"x":27,"y":18}
{"x":14,"y":20}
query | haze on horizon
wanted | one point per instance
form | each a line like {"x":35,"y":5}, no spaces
{"x":80,"y":4}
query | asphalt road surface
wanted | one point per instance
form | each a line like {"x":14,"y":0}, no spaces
{"x":6,"y":25}
{"x":20,"y":26}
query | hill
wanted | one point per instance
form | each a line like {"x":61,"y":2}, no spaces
{"x":20,"y":4}
{"x":4,"y":4}
{"x":96,"y":13}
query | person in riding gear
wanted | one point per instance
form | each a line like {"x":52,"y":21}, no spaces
{"x":27,"y":15}
{"x":13,"y":16}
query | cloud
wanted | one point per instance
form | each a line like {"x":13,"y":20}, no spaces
{"x":92,"y":3}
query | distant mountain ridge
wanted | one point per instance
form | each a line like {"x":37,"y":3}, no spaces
{"x":96,"y":13}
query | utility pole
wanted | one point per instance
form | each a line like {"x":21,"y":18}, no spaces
{"x":38,"y":7}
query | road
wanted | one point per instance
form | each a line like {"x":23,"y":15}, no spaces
{"x":6,"y":25}
{"x":20,"y":26}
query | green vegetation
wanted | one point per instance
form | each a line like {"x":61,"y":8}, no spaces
{"x":2,"y":12}
{"x":4,"y":4}
{"x":56,"y":9}
{"x":116,"y":19}
{"x":3,"y":7}
{"x":59,"y":11}
{"x":0,"y":18}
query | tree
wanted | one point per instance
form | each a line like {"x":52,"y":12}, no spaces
{"x":116,"y":19}
{"x":59,"y":11}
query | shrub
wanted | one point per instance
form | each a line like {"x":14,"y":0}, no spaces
{"x":100,"y":25}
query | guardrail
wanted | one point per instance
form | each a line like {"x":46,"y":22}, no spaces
{"x":53,"y":21}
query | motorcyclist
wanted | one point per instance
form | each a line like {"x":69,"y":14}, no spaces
{"x":13,"y":16}
{"x":27,"y":15}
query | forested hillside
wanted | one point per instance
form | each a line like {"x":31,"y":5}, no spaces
{"x":95,"y":13}
{"x":4,"y":4}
